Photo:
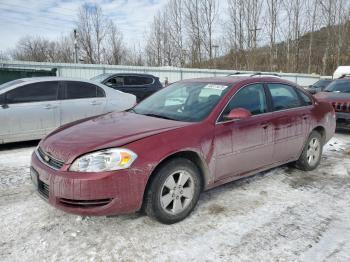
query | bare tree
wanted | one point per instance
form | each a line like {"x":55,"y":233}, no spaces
{"x":194,"y":25}
{"x":114,"y":50}
{"x":32,"y":49}
{"x":208,"y":10}
{"x":273,"y":8}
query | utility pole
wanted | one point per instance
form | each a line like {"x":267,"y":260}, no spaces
{"x":215,"y":47}
{"x":75,"y":46}
{"x":254,"y":30}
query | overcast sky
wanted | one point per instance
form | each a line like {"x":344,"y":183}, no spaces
{"x":51,"y":19}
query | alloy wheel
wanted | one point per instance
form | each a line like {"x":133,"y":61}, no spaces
{"x":313,"y":151}
{"x":177,"y":192}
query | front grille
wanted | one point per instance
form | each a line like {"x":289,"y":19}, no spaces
{"x":43,"y":189}
{"x":49,"y":160}
{"x":85,"y":203}
{"x":341,"y":107}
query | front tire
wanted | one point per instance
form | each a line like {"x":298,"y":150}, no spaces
{"x":174,"y":191}
{"x":311,"y":156}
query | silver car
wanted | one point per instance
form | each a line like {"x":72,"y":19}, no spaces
{"x":30,"y":108}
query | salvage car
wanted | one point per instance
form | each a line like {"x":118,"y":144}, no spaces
{"x":140,"y":85}
{"x":30,"y":108}
{"x":338,"y":95}
{"x":190,"y":136}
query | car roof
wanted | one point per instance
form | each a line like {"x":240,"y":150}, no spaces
{"x":126,"y":74}
{"x":53,"y":78}
{"x":229,"y":80}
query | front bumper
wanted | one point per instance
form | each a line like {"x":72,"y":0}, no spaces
{"x":98,"y":194}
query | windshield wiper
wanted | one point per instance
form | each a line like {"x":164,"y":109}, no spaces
{"x":159,"y":116}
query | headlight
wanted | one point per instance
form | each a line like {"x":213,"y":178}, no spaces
{"x":104,"y":160}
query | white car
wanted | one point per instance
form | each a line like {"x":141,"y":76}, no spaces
{"x":30,"y":108}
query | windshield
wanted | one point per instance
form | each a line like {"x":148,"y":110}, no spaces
{"x":11,"y":83}
{"x":322,"y":83}
{"x":189,"y":102}
{"x":100,"y":78}
{"x":340,"y":86}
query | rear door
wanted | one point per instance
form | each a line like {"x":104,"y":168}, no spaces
{"x":31,"y":111}
{"x":288,"y":122}
{"x":81,"y":100}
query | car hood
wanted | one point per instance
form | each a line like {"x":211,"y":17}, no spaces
{"x":109,"y":130}
{"x":333,"y":97}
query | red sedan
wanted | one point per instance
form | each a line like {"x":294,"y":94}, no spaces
{"x":191,"y":136}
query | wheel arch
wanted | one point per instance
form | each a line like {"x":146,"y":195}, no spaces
{"x":193,"y":156}
{"x":322,"y":131}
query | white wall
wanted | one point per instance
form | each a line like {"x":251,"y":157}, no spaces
{"x":174,"y":74}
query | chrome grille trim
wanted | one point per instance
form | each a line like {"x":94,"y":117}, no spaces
{"x":51,"y":162}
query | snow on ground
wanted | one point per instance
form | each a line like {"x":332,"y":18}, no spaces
{"x":280,"y":215}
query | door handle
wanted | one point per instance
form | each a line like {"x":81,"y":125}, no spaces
{"x":48,"y":107}
{"x":95,"y":103}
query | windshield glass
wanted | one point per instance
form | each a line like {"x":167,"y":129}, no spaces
{"x":189,"y":102}
{"x":100,"y":78}
{"x":340,"y":86}
{"x":322,"y":83}
{"x":11,"y":83}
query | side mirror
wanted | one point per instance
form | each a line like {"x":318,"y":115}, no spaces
{"x":109,"y":84}
{"x":238,"y":114}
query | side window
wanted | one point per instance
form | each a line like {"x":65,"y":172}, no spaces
{"x":283,"y":97}
{"x":146,"y":80}
{"x":116,"y":81}
{"x":251,"y":97}
{"x":306,"y":99}
{"x":79,"y":90}
{"x":137,"y":80}
{"x":38,"y":92}
{"x":100,"y":92}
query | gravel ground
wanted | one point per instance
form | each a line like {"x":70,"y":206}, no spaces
{"x":280,"y":215}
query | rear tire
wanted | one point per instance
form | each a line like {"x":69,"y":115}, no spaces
{"x":174,"y":191}
{"x":311,"y":156}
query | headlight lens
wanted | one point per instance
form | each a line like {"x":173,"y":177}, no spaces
{"x":104,"y":160}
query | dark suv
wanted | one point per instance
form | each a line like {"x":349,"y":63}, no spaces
{"x":319,"y":86}
{"x":140,"y":85}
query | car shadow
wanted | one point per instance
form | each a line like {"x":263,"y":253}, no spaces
{"x":19,"y":145}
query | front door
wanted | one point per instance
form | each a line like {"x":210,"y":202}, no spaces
{"x":30,"y":112}
{"x":244,"y":145}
